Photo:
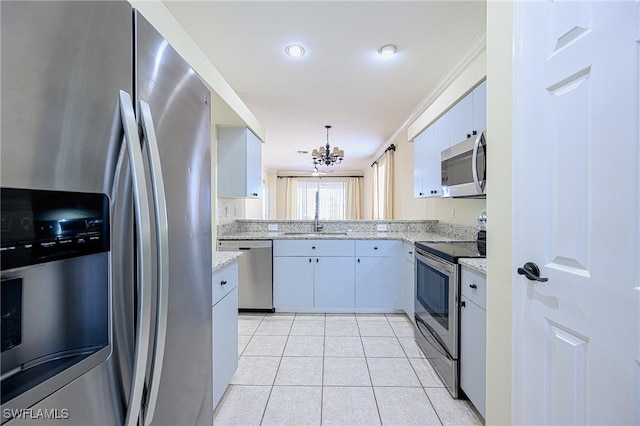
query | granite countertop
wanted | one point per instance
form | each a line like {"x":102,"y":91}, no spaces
{"x":409,"y":237}
{"x":224,"y":258}
{"x":479,"y":265}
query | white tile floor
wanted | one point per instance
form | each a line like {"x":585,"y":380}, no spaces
{"x":329,"y":369}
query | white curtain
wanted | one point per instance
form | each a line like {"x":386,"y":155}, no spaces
{"x":374,"y":197}
{"x":291,"y":199}
{"x":387,"y":207}
{"x":383,"y":187}
{"x":354,"y":210}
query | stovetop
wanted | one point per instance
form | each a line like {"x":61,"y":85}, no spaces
{"x":452,"y":251}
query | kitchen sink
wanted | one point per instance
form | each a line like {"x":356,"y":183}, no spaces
{"x":314,"y":234}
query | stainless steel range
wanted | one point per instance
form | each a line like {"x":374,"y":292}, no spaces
{"x":437,"y":278}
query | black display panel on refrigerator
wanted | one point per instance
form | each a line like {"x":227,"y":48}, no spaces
{"x":42,"y":226}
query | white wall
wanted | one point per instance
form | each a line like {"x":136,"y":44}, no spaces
{"x":272,"y":183}
{"x":499,"y":300}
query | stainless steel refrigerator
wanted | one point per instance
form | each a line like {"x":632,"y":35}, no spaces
{"x":106,"y":220}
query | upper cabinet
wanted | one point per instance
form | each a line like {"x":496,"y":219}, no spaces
{"x":460,"y":122}
{"x":239,"y":163}
{"x":479,"y":111}
{"x":467,"y":116}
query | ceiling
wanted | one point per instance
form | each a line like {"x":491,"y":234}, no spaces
{"x":340,"y":80}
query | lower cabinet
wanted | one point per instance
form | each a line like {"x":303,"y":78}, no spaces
{"x":340,"y":275}
{"x":225,"y":334}
{"x":293,"y":282}
{"x":473,"y":339}
{"x":313,"y":282}
{"x":377,"y":280}
{"x":333,"y":281}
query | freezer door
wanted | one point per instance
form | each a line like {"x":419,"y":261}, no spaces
{"x":63,"y":65}
{"x":178,"y":103}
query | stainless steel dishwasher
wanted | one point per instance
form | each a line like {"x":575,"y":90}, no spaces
{"x":255,"y":273}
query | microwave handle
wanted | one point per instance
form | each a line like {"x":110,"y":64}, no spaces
{"x":474,"y":164}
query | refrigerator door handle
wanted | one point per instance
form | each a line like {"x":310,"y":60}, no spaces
{"x":162,"y":255}
{"x":143,"y":247}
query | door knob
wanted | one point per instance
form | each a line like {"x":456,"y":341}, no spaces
{"x":532,"y":272}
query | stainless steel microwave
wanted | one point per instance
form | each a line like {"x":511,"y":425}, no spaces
{"x":464,"y":168}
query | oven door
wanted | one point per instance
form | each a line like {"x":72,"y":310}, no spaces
{"x":436,"y":304}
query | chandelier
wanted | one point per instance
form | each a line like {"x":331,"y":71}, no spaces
{"x":324,"y":155}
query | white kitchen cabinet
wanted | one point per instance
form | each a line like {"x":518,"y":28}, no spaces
{"x":224,"y":314}
{"x":378,"y":274}
{"x":313,"y":274}
{"x":420,"y":161}
{"x":239,"y":163}
{"x":408,"y":295}
{"x":431,"y":142}
{"x":313,"y":282}
{"x":466,"y":116}
{"x":334,"y":282}
{"x":461,"y":119}
{"x":313,"y":248}
{"x":479,"y":114}
{"x":378,"y":248}
{"x":293,"y":278}
{"x":473,"y":339}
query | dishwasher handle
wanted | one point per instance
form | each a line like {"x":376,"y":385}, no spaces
{"x":244,"y":248}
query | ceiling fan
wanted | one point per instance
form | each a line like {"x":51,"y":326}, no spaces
{"x":314,"y":172}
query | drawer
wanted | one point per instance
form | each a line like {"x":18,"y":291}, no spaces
{"x":408,"y":251}
{"x":314,"y":248}
{"x":377,"y":248}
{"x":224,"y":280}
{"x":473,"y":285}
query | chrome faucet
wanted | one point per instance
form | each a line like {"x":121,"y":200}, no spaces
{"x":316,"y":226}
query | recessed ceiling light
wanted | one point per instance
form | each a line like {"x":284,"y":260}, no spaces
{"x":388,"y":50}
{"x":294,"y":50}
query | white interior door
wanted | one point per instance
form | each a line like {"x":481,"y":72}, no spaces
{"x":576,"y":212}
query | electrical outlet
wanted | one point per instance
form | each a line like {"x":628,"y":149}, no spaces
{"x":272,"y":227}
{"x":453,"y":213}
{"x":226,"y":212}
{"x":219,"y":211}
{"x":235,"y":212}
{"x":382,"y":227}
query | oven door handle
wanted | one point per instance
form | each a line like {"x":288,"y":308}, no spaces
{"x":443,"y":352}
{"x":474,"y":164}
{"x":433,"y":261}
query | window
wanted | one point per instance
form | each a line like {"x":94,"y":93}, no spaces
{"x":333,"y":200}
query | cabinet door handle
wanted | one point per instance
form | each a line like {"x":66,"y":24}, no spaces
{"x":358,"y":260}
{"x":473,"y":286}
{"x":313,"y":247}
{"x":223,"y":282}
{"x":463,"y":304}
{"x":410,"y":252}
{"x":375,"y":248}
{"x":309,"y":260}
{"x":255,"y":194}
{"x":317,"y":260}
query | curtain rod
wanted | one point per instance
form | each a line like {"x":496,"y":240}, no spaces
{"x":319,"y":177}
{"x":391,"y":147}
